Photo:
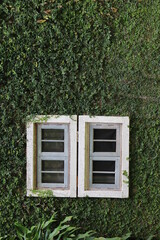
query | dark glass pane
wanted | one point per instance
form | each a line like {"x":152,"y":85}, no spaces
{"x":52,"y":146}
{"x":108,"y":134}
{"x":53,"y":134}
{"x":52,"y":165}
{"x":103,"y":165}
{"x":104,"y":147}
{"x":52,"y":178}
{"x":100,"y":178}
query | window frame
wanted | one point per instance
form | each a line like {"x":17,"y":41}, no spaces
{"x":104,"y":156}
{"x":94,"y":186}
{"x":104,"y":126}
{"x":52,"y":155}
{"x":83,"y":157}
{"x":84,"y":188}
{"x":62,"y":191}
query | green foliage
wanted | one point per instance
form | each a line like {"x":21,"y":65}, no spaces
{"x":81,"y":57}
{"x":44,"y":231}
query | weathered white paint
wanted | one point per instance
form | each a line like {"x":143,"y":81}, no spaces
{"x":123,"y":192}
{"x":30,"y":155}
{"x":71,"y":191}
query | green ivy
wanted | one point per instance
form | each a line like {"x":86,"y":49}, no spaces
{"x":97,"y":57}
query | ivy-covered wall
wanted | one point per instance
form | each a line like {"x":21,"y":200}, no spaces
{"x":95,"y":57}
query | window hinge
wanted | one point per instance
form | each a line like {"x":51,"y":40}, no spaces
{"x":77,"y":136}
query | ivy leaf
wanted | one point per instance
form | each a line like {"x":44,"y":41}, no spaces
{"x":41,"y":21}
{"x":114,"y":9}
{"x":47,"y":11}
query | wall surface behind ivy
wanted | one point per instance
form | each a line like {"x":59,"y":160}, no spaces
{"x":91,"y":57}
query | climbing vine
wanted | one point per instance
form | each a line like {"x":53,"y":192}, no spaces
{"x":81,"y":57}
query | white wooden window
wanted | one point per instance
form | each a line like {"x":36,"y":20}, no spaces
{"x":103,"y":162}
{"x":52,"y":156}
{"x":104,"y":156}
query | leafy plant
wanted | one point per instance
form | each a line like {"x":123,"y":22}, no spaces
{"x":43,"y":231}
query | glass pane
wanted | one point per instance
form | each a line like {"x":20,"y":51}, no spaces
{"x":100,"y":178}
{"x":108,"y":134}
{"x":52,"y":146}
{"x":104,"y":147}
{"x":52,"y":178}
{"x":55,"y":165}
{"x":53,"y":134}
{"x":103,"y":165}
